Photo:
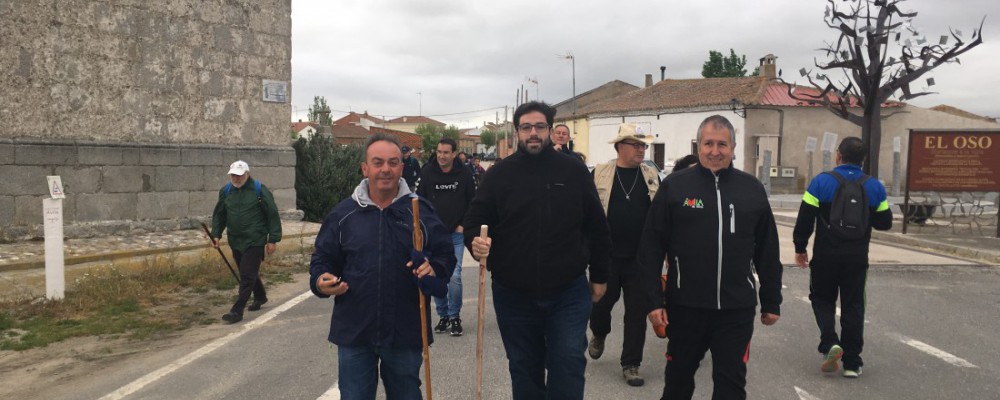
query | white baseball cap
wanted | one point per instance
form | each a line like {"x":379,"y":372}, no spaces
{"x":238,"y":168}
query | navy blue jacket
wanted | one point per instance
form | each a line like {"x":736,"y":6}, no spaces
{"x":368,"y":248}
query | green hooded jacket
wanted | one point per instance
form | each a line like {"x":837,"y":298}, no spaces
{"x":249,"y":223}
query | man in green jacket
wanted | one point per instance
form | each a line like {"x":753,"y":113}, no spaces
{"x":247,"y":209}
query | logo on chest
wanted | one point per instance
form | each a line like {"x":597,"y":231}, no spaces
{"x":446,"y":186}
{"x":693,"y":203}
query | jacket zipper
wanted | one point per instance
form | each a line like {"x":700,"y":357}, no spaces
{"x":718,"y":277}
{"x":378,"y":301}
{"x":677,"y":261}
{"x":732,"y":219}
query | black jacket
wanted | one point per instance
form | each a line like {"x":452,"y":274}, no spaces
{"x":411,"y":170}
{"x":715,"y":229}
{"x":450,"y":193}
{"x":545,"y":219}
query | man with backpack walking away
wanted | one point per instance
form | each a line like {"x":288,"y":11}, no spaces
{"x":844,"y":205}
{"x":246,"y":209}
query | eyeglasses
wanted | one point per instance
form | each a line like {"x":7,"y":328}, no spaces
{"x":636,"y":145}
{"x":526,"y":128}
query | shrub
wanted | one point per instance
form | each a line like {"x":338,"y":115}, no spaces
{"x":325,"y":174}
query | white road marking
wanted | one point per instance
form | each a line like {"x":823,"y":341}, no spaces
{"x":804,"y":395}
{"x":167,"y":369}
{"x":936,"y":352}
{"x":332,"y":394}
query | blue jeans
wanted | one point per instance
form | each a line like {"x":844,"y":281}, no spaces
{"x":359,"y":367}
{"x":547,"y":333}
{"x":451,"y":306}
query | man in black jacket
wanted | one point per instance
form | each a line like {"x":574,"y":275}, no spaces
{"x":715,"y":223}
{"x":411,"y":167}
{"x":544,"y":219}
{"x":449,"y":187}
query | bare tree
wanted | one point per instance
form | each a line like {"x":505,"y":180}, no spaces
{"x":871,"y":76}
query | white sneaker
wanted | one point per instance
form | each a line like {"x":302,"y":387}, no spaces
{"x":850,"y":373}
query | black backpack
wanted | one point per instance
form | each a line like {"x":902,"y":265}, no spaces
{"x":849,"y":213}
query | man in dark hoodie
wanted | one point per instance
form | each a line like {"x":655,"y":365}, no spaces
{"x":450,"y":187}
{"x":546,"y":224}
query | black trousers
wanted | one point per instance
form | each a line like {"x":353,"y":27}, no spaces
{"x":623,"y":276}
{"x":692,"y":332}
{"x":248,"y":262}
{"x":827,"y":277}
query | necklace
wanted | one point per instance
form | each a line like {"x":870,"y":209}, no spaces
{"x":634,"y":181}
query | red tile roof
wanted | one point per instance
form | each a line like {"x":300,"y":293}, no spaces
{"x":960,"y":112}
{"x":412,"y":140}
{"x":348,"y":133}
{"x":299,"y":126}
{"x":415,"y":120}
{"x":355,"y":118}
{"x":776,"y":94}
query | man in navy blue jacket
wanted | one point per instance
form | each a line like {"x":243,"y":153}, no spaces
{"x":364,"y":258}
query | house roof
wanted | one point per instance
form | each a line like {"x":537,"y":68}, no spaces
{"x":412,"y":140}
{"x":776,"y":94}
{"x":345,"y":132}
{"x":415,"y":120}
{"x":960,"y":112}
{"x":299,"y":126}
{"x":355,"y":118}
{"x":564,"y":109}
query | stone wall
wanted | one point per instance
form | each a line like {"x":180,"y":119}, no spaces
{"x":140,"y":106}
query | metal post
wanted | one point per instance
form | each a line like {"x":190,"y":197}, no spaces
{"x":896,"y":166}
{"x":766,"y":178}
{"x":827,"y":160}
{"x":809,"y":161}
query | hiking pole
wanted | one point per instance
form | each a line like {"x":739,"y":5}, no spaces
{"x":418,"y":244}
{"x":209,"y":233}
{"x":479,"y":323}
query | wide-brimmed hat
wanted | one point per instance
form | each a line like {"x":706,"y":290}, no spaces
{"x":238,"y":168}
{"x":632,"y":131}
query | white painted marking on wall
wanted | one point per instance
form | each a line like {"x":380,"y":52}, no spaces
{"x":936,"y":352}
{"x":191,"y":357}
{"x":804,"y":395}
{"x":332,"y":394}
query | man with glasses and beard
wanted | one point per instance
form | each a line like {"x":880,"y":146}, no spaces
{"x":546,"y":225}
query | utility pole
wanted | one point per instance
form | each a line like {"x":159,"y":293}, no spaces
{"x":569,"y":56}
{"x":421,"y":109}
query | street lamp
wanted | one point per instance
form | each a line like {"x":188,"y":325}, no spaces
{"x":535,"y":81}
{"x":421,"y":109}
{"x":569,"y":56}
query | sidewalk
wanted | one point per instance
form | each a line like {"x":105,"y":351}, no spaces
{"x":939,"y":240}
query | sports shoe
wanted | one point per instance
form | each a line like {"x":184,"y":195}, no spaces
{"x":256,"y":304}
{"x":831,"y":358}
{"x":596,"y":347}
{"x":456,"y":327}
{"x":232,"y":317}
{"x":442,"y":325}
{"x":632,"y":377}
{"x":852,"y":373}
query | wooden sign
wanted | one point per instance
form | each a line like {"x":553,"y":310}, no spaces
{"x":954,"y":161}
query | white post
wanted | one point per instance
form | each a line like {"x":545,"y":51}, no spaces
{"x":55,"y":268}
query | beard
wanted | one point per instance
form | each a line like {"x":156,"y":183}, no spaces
{"x":534,"y":141}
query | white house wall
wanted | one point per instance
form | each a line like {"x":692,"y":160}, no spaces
{"x":675,"y":131}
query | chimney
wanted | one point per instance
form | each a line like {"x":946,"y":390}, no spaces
{"x":649,"y":80}
{"x":768,"y":66}
{"x":663,"y":72}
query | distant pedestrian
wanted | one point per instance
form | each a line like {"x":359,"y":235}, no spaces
{"x":716,"y":224}
{"x":411,"y":168}
{"x":840,"y":256}
{"x":477,"y":169}
{"x":626,"y":187}
{"x":561,"y":141}
{"x":687,"y":161}
{"x":546,"y":225}
{"x":364,"y":258}
{"x":246,"y":211}
{"x":450,"y":187}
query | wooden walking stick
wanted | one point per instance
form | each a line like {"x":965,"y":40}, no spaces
{"x":418,"y":244}
{"x":483,"y":230}
{"x":211,"y":240}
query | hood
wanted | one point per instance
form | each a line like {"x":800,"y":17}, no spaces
{"x":361,"y":193}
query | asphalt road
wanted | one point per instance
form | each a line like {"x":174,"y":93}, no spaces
{"x":931,"y":333}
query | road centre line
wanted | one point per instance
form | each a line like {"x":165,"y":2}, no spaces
{"x":936,"y":352}
{"x":191,"y":357}
{"x":804,"y":395}
{"x":332,"y":394}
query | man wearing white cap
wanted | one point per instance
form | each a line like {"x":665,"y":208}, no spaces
{"x":246,"y":208}
{"x":626,"y":187}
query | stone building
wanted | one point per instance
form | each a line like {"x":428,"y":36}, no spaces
{"x":140,"y":107}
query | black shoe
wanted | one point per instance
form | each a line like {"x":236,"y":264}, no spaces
{"x":596,"y":347}
{"x":456,"y":327}
{"x":256,"y":304}
{"x":442,"y":325}
{"x":632,"y":377}
{"x":232,"y":317}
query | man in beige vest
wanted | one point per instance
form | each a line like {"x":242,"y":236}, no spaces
{"x":626,"y":187}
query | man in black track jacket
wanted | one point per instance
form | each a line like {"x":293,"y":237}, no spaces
{"x":715,"y":224}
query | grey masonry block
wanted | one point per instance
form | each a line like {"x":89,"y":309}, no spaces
{"x":6,"y":210}
{"x":100,"y":155}
{"x":202,"y":203}
{"x":284,"y":199}
{"x":230,"y":155}
{"x":197,"y":156}
{"x":173,"y":179}
{"x":159,"y":156}
{"x":19,"y":180}
{"x":275,"y":177}
{"x":6,"y":152}
{"x":162,"y":205}
{"x":28,"y":210}
{"x":130,"y":156}
{"x":33,"y":154}
{"x":78,"y":180}
{"x":259,"y":157}
{"x":127,"y":179}
{"x":104,"y":207}
{"x":286,"y":158}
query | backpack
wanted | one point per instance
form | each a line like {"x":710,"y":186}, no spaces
{"x":849,"y":212}
{"x":256,"y":186}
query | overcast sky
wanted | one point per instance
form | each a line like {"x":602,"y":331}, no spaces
{"x":473,"y":55}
